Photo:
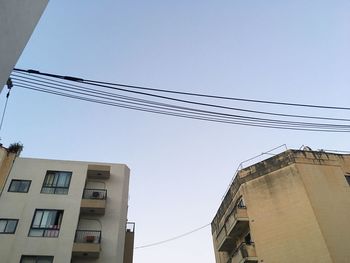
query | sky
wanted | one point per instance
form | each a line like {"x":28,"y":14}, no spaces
{"x":293,"y":51}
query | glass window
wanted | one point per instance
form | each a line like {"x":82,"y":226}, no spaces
{"x":19,"y":186}
{"x":56,"y":182}
{"x":36,"y":259}
{"x":8,"y":226}
{"x":46,"y":223}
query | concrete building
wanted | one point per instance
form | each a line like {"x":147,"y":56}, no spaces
{"x":293,"y":207}
{"x":63,"y":211}
{"x":18,"y":19}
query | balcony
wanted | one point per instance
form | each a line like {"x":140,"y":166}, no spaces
{"x":236,"y":223}
{"x":87,"y":244}
{"x":93,"y":202}
{"x":245,"y":253}
{"x":98,"y":171}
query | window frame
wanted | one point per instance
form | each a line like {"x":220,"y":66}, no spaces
{"x":36,"y":258}
{"x":347,"y":178}
{"x":19,"y":180}
{"x":55,"y":188}
{"x":44,"y":229}
{"x":9,"y":219}
{"x":240,"y":203}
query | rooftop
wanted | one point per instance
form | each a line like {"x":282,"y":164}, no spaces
{"x":269,"y":165}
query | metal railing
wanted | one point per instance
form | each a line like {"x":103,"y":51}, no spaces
{"x":240,"y":166}
{"x":88,"y":236}
{"x":241,"y":252}
{"x":54,"y":190}
{"x":130,"y":227}
{"x":234,"y":186}
{"x":99,"y":194}
{"x":52,"y":231}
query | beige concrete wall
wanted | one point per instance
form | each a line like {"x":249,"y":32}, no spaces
{"x":329,"y":194}
{"x":6,"y":161}
{"x":23,"y":205}
{"x":282,"y":222}
{"x":298,"y":204}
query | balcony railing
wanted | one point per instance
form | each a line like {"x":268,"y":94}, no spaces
{"x":99,"y":194}
{"x":87,"y":244}
{"x":88,"y":236}
{"x":93,"y":201}
{"x":245,"y":252}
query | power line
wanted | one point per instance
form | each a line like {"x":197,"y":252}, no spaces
{"x":82,"y":92}
{"x":219,"y":120}
{"x":169,"y":105}
{"x":172,"y":99}
{"x":173,"y":238}
{"x":9,"y":85}
{"x":77,"y":79}
{"x":185,"y":108}
{"x":63,"y":84}
{"x":210,"y":112}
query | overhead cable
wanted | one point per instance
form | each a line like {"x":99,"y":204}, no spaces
{"x":64,"y":84}
{"x":177,"y":114}
{"x":173,"y":238}
{"x":77,"y":79}
{"x":76,"y":89}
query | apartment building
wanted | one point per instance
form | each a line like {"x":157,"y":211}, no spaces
{"x":292,"y":207}
{"x":54,"y":211}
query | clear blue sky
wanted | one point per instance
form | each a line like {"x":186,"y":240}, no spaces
{"x":296,"y":51}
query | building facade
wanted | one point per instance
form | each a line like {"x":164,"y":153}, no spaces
{"x":293,"y":207}
{"x":55,"y":211}
{"x":18,"y":20}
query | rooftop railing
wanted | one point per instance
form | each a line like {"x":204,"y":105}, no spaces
{"x":130,"y":227}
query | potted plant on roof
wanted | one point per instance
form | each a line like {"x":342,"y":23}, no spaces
{"x":16,"y":148}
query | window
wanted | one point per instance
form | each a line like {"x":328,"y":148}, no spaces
{"x":347,"y":177}
{"x":19,"y":186}
{"x":240,"y":203}
{"x":56,"y":182}
{"x":46,"y":223}
{"x":36,"y":259}
{"x":248,"y":239}
{"x":8,"y":226}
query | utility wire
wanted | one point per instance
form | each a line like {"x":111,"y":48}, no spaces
{"x":210,"y":112}
{"x":239,"y":116}
{"x":177,"y":114}
{"x":81,"y":92}
{"x":77,"y":79}
{"x":64,"y":84}
{"x":9,"y":85}
{"x":168,"y":105}
{"x":173,"y":238}
{"x":236,"y":117}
